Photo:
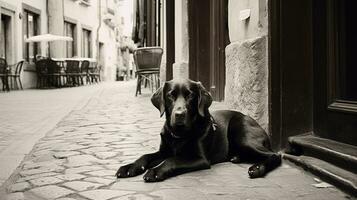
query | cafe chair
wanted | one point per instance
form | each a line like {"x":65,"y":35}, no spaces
{"x":73,"y":72}
{"x":42,"y":71}
{"x":147,"y":61}
{"x":15,"y":76}
{"x":94,"y":73}
{"x":85,"y":71}
{"x":4,"y":74}
{"x":54,"y":73}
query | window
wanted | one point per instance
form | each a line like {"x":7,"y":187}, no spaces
{"x":5,"y":36}
{"x":31,"y":22}
{"x":70,"y":30}
{"x":86,"y":43}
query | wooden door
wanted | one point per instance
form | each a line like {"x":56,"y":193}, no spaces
{"x":335,"y":70}
{"x":312,"y":70}
{"x":208,"y":37}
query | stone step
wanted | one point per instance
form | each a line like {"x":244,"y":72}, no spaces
{"x":336,"y":153}
{"x":341,"y":178}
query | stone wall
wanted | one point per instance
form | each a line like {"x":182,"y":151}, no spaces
{"x":247,"y":78}
{"x":247,"y":60}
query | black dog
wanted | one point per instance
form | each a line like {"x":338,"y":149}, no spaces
{"x":193,"y":139}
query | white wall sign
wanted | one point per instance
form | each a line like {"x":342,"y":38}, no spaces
{"x":244,"y":14}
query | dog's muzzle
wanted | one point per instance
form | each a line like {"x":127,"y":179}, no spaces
{"x":180,"y":117}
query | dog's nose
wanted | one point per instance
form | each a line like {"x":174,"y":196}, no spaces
{"x":180,"y":114}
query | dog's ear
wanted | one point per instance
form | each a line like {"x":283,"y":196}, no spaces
{"x":158,"y":100}
{"x":204,"y":100}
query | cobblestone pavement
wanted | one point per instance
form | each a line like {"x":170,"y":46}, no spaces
{"x":78,"y":160}
{"x":26,"y":116}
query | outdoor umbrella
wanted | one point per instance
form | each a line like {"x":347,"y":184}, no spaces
{"x":48,"y":38}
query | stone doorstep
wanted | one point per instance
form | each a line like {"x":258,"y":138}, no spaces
{"x":340,"y":154}
{"x":334,"y":161}
{"x":345,"y":180}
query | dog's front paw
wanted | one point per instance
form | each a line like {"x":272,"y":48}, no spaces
{"x":154,"y":175}
{"x":130,"y":170}
{"x":257,"y":170}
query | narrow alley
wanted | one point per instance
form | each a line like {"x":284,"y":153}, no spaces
{"x":78,"y":158}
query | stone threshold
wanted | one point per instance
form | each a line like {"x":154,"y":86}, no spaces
{"x":332,"y":161}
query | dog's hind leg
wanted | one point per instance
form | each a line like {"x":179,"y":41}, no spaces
{"x":248,"y":142}
{"x":267,"y":161}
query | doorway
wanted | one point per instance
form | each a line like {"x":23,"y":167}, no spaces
{"x":208,"y":37}
{"x":312,"y":89}
{"x":335,"y":71}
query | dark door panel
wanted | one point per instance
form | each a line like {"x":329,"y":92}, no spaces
{"x":208,"y":37}
{"x":335,"y":72}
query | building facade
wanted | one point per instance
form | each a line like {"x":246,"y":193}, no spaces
{"x":19,"y":20}
{"x":91,"y":24}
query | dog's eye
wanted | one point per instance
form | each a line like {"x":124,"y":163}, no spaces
{"x":190,"y":95}
{"x":171,"y":95}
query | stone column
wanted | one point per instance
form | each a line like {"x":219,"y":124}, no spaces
{"x":56,"y":27}
{"x":247,"y":60}
{"x":180,"y":67}
{"x":163,"y":41}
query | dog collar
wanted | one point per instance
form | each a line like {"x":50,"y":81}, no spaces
{"x":175,"y":136}
{"x":214,"y":127}
{"x":214,"y":124}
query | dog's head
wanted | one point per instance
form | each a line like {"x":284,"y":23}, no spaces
{"x":184,"y":101}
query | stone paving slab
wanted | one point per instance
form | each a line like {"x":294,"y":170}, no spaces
{"x":79,"y":157}
{"x":49,"y":192}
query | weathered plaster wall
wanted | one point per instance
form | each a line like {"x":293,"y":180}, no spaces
{"x":256,"y":25}
{"x":246,"y":60}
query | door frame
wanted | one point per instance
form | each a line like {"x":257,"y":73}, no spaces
{"x":290,"y":70}
{"x":170,"y":38}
